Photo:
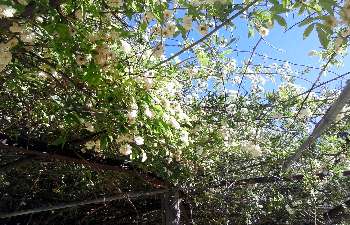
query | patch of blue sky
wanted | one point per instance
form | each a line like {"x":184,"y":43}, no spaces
{"x":280,"y":45}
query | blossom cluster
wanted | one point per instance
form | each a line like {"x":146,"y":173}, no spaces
{"x":252,"y":149}
{"x":115,"y":3}
{"x":6,"y":11}
{"x":5,"y":53}
{"x":169,"y":27}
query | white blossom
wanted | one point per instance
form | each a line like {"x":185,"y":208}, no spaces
{"x":148,"y":113}
{"x":81,"y":60}
{"x":305,"y":113}
{"x":252,"y":149}
{"x":264,"y":31}
{"x":144,"y":156}
{"x":27,"y":37}
{"x":338,"y":43}
{"x":126,"y":47}
{"x":187,"y":22}
{"x":132,"y":116}
{"x":203,"y":29}
{"x":90,"y":145}
{"x":15,"y":28}
{"x":244,"y":111}
{"x":72,"y":31}
{"x":158,"y":51}
{"x":139,"y":140}
{"x":312,"y":53}
{"x":289,"y":209}
{"x":79,"y":14}
{"x":115,"y":3}
{"x":125,"y":149}
{"x":89,"y":127}
{"x":5,"y":58}
{"x":148,"y":83}
{"x":167,"y":14}
{"x":22,"y":2}
{"x":124,"y":138}
{"x":174,"y":123}
{"x":148,"y":16}
{"x":104,"y":55}
{"x":6,"y":11}
{"x":184,"y":137}
{"x":170,"y":30}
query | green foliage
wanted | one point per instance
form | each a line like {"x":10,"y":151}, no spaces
{"x":92,"y":75}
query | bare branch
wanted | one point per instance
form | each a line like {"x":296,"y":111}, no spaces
{"x":249,"y":62}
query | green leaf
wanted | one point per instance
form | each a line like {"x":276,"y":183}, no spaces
{"x":301,"y":10}
{"x":250,"y":32}
{"x":306,"y":21}
{"x":308,"y":30}
{"x":322,"y":36}
{"x":296,"y":5}
{"x":327,"y":5}
{"x":278,"y":9}
{"x":61,"y":140}
{"x":326,"y":28}
{"x":62,"y":30}
{"x":274,"y":2}
{"x":317,"y":8}
{"x":281,"y":21}
{"x":227,"y":52}
{"x":92,"y":76}
{"x":143,"y":26}
{"x":285,"y":3}
{"x":203,"y":59}
{"x":104,"y":141}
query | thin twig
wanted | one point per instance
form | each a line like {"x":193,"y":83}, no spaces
{"x":314,"y":84}
{"x":206,"y":36}
{"x":249,"y":62}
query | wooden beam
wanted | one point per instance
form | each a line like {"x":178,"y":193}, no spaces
{"x":150,"y":179}
{"x":326,"y":121}
{"x":82,"y":203}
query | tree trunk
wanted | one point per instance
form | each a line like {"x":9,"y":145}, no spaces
{"x":171,"y":208}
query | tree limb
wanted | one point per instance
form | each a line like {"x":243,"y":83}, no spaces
{"x":321,"y":126}
{"x":338,"y":213}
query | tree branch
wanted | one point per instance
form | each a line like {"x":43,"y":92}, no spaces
{"x":16,"y":163}
{"x":321,"y":126}
{"x":338,"y":213}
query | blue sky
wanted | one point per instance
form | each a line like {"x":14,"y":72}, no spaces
{"x":293,"y":48}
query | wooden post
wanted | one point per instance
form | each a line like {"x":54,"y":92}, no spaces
{"x":171,"y":208}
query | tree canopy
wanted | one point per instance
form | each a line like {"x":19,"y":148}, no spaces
{"x":161,"y":87}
